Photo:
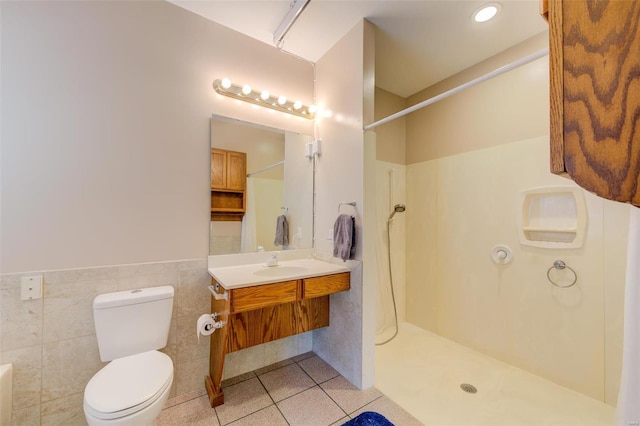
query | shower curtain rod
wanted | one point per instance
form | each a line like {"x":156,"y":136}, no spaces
{"x":475,"y":81}
{"x":266,"y":168}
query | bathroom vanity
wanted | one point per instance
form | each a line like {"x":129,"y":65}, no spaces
{"x":256,"y":304}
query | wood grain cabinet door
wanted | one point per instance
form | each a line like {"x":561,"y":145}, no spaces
{"x":236,"y":171}
{"x":324,"y":285}
{"x":260,"y":296}
{"x":595,"y":95}
{"x":218,"y":169}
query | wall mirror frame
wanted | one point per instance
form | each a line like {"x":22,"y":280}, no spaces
{"x":258,"y":173}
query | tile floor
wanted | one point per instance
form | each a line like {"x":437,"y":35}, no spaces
{"x":303,"y":390}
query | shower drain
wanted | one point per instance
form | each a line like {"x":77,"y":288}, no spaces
{"x":468,"y":388}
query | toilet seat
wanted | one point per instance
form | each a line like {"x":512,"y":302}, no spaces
{"x":128,"y":385}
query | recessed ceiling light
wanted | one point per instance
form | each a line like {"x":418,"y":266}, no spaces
{"x":486,"y":12}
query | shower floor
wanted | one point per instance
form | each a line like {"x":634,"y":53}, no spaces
{"x":422,"y":372}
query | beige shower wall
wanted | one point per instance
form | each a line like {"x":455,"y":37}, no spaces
{"x":469,"y":157}
{"x":515,"y":111}
{"x":463,"y":205}
{"x":390,"y":137}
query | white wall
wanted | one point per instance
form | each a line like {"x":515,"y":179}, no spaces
{"x":105,"y":161}
{"x":298,"y":190}
{"x":269,"y":198}
{"x":343,"y":87}
{"x":105,"y":135}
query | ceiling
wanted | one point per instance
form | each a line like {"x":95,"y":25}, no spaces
{"x":418,"y":42}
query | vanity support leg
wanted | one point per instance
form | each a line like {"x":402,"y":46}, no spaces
{"x":218,"y":350}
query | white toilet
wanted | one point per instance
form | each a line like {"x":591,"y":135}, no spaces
{"x":133,"y":387}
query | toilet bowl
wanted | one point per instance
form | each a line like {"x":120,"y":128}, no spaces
{"x":129,"y":391}
{"x":130,"y":328}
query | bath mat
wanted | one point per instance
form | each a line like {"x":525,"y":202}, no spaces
{"x":368,"y":418}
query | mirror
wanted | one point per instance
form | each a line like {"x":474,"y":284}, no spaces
{"x":258,"y":174}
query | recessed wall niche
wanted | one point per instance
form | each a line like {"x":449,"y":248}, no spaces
{"x":552,"y":217}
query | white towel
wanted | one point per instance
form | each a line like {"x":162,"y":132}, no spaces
{"x":344,"y":237}
{"x":628,"y":411}
{"x":282,"y":231}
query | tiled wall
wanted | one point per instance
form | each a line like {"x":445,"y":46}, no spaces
{"x":52,"y":344}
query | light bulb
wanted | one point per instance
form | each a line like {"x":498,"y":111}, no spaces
{"x":297,"y":105}
{"x":264,"y":95}
{"x":282,"y":100}
{"x":246,"y":89}
{"x":312,"y":109}
{"x":226,"y":83}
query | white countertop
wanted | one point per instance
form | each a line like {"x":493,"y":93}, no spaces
{"x":238,"y":276}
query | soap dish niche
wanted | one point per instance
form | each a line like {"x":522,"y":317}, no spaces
{"x":552,"y":217}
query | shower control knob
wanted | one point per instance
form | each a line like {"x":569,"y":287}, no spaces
{"x":501,"y":254}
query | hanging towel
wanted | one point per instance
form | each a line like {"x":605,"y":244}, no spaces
{"x":282,"y":231}
{"x":628,"y":411}
{"x":344,"y":237}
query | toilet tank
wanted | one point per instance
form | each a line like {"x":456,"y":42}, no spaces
{"x":133,"y":321}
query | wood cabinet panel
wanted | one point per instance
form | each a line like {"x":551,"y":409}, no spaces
{"x":218,"y":169}
{"x":228,"y":184}
{"x":595,"y":95}
{"x":264,"y":325}
{"x":312,"y":313}
{"x":248,"y":298}
{"x":320,"y":286}
{"x":218,"y":345}
{"x":236,"y":170}
{"x":263,"y":313}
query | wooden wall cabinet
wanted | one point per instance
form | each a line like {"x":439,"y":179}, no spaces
{"x":228,"y":184}
{"x":594,"y":54}
{"x":260,"y":314}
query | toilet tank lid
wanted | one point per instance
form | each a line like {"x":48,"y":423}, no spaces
{"x":132,"y":297}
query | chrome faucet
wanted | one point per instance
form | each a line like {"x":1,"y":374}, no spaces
{"x":274,"y":259}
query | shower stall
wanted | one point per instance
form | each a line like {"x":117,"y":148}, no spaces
{"x":535,"y":352}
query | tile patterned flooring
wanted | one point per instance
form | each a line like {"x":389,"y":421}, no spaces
{"x":301,"y":391}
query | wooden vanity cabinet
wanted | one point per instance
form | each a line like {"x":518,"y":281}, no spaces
{"x":594,"y":55}
{"x":260,"y":314}
{"x":228,"y":184}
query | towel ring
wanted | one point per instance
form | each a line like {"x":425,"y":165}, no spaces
{"x":286,"y":210}
{"x":346,"y":203}
{"x":560,"y":265}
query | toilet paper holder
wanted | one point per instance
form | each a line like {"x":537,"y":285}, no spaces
{"x":207,"y":324}
{"x":216,"y":324}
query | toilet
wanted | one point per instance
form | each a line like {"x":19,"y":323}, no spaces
{"x":131,"y":326}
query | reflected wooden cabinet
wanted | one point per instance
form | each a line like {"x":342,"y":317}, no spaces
{"x":228,"y":184}
{"x":595,"y":94}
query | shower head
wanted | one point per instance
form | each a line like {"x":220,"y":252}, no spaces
{"x":398,"y":208}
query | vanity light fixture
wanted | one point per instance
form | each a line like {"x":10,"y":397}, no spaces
{"x":263,"y":98}
{"x":486,"y":12}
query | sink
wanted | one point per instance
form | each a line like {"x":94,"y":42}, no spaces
{"x":281,"y":271}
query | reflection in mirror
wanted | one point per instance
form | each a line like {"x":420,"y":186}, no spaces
{"x":257,"y":175}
